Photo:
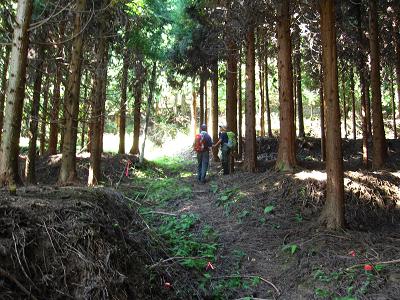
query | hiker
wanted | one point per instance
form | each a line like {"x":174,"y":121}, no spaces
{"x":202,"y":145}
{"x":225,"y":149}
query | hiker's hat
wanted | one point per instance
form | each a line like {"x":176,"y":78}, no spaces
{"x":222,"y":126}
{"x":203,"y":127}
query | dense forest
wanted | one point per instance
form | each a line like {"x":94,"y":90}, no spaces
{"x":93,"y":91}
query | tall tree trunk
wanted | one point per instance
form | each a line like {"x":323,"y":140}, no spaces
{"x":250,"y":157}
{"x":240,"y":110}
{"x":364,"y":89}
{"x":267,"y":102}
{"x":43,"y":123}
{"x":71,"y":100}
{"x":353,"y":103}
{"x":86,"y":108}
{"x":103,"y":101}
{"x":4,"y":87}
{"x":379,"y":140}
{"x":214,"y":106}
{"x":231,"y":87}
{"x":193,"y":108}
{"x":396,"y":30}
{"x":56,"y":99}
{"x":15,"y":95}
{"x":297,"y":61}
{"x":322,"y":114}
{"x":205,"y":102}
{"x":123,"y":103}
{"x":344,"y":102}
{"x":34,"y":120}
{"x":261,"y":78}
{"x":368,"y":103}
{"x":333,"y":211}
{"x":286,"y":159}
{"x":138,"y":91}
{"x":149,"y":106}
{"x":392,"y":96}
{"x":97,"y":111}
{"x":201,"y":96}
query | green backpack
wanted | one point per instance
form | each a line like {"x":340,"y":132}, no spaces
{"x":231,"y":140}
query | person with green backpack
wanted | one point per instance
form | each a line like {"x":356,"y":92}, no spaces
{"x":227,"y":140}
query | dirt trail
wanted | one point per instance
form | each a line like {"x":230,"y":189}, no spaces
{"x":267,"y":225}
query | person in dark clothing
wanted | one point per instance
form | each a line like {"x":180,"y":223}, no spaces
{"x":203,"y":156}
{"x":225,"y":150}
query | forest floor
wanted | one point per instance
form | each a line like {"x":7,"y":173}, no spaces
{"x":153,"y":232}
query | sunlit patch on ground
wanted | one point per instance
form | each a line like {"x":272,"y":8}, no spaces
{"x":317,"y":175}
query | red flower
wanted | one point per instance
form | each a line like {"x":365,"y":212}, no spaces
{"x":167,"y":285}
{"x":368,"y":268}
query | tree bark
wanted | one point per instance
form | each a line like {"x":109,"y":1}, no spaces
{"x":205,"y":102}
{"x":364,"y":89}
{"x":322,"y":115}
{"x":193,"y":108}
{"x":231,"y":87}
{"x":392,"y":96}
{"x":267,"y":102}
{"x":123,"y":103}
{"x":344,"y":102}
{"x":378,"y":136}
{"x":286,"y":159}
{"x":396,"y":30}
{"x":97,"y":108}
{"x":15,"y":95}
{"x":138,"y":91}
{"x":297,"y":61}
{"x":333,"y":211}
{"x":4,"y":87}
{"x":43,"y":124}
{"x":261,"y":78}
{"x":30,"y":173}
{"x":201,"y":99}
{"x":86,"y":109}
{"x":240,"y":110}
{"x":214,"y":107}
{"x":353,"y":103}
{"x":71,"y":100}
{"x":149,"y":106}
{"x":250,"y":157}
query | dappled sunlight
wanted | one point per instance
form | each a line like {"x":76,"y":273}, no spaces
{"x":317,"y":175}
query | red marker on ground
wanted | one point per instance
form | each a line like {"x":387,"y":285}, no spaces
{"x":209,"y":266}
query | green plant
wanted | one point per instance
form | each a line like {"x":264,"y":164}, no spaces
{"x":268,"y":209}
{"x":243,"y":214}
{"x":323,"y":293}
{"x":291,"y":248}
{"x":298,"y":217}
{"x":213,"y":187}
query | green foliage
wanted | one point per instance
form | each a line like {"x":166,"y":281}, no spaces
{"x":268,"y":209}
{"x":291,"y":248}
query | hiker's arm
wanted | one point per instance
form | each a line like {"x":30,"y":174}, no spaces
{"x":217,"y":143}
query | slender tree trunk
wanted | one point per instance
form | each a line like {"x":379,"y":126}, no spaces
{"x":231,"y":87}
{"x":368,"y":103}
{"x":201,"y":96}
{"x":86,"y":108}
{"x":392,"y":96}
{"x":333,"y":211}
{"x":193,"y":108}
{"x":267,"y":102}
{"x":34,"y":120}
{"x":344,"y":102}
{"x":123,"y":103}
{"x":286,"y":159}
{"x":240,"y":111}
{"x":250,"y":157}
{"x":103,"y":101}
{"x":205,"y":102}
{"x":4,"y":87}
{"x":364,"y":90}
{"x":15,"y":95}
{"x":379,"y":140}
{"x":322,"y":115}
{"x":261,"y":78}
{"x":97,"y":111}
{"x":71,"y":100}
{"x":149,"y":106}
{"x":353,"y":103}
{"x":297,"y":61}
{"x":214,"y":107}
{"x":43,"y":124}
{"x":138,"y":93}
{"x":396,"y":30}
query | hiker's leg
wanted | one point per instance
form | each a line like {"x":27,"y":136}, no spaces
{"x":205,"y":161}
{"x":225,"y":160}
{"x":199,"y":165}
